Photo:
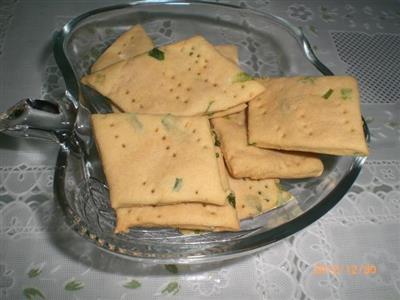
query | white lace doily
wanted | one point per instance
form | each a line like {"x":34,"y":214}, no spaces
{"x":360,"y":232}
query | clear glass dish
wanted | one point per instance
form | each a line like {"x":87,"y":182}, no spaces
{"x":268,"y":46}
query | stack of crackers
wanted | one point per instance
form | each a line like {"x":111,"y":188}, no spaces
{"x":196,"y":143}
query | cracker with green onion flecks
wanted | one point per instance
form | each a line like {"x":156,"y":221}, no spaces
{"x":252,"y":197}
{"x":313,"y":114}
{"x":230,"y":52}
{"x":136,"y":41}
{"x":131,"y":43}
{"x":187,"y":78}
{"x":158,"y":159}
{"x":195,"y":216}
{"x":247,"y":161}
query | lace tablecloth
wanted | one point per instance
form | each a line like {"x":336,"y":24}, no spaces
{"x":353,"y":252}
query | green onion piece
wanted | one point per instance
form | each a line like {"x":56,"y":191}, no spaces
{"x":168,"y":121}
{"x":242,"y":77}
{"x":327,"y":94}
{"x":177,"y":185}
{"x":258,"y":207}
{"x":209,"y":106}
{"x":135,"y":122}
{"x":157,"y":54}
{"x":232,"y":199}
{"x":217,"y":143}
{"x":345,"y":93}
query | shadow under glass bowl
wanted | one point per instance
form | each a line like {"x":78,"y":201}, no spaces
{"x":268,"y":46}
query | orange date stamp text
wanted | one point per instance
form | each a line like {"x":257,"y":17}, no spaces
{"x":344,"y":269}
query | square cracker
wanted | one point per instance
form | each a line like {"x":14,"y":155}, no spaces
{"x":131,"y":43}
{"x":252,"y":197}
{"x":314,"y":114}
{"x":153,"y":159}
{"x":192,"y":79}
{"x":247,"y":161}
{"x":136,"y":41}
{"x":193,"y":216}
{"x":184,"y":216}
{"x":229,"y":51}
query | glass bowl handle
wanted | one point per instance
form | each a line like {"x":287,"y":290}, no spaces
{"x":44,"y":119}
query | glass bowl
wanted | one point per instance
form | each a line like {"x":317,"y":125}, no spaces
{"x":268,"y":46}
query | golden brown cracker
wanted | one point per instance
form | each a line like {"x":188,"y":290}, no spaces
{"x":312,"y":114}
{"x":152,"y":159}
{"x":187,"y":78}
{"x":247,"y":161}
{"x":195,"y":216}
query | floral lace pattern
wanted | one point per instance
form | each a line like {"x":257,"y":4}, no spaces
{"x":27,"y":204}
{"x":373,"y":204}
{"x":6,"y":280}
{"x":384,"y":126}
{"x":212,"y":283}
{"x":287,"y":270}
{"x":300,"y":12}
